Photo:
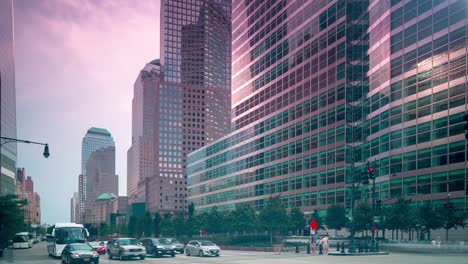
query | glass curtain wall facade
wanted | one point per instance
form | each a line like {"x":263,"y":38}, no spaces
{"x":322,"y":87}
{"x":100,"y":142}
{"x":8,"y":99}
{"x":194,"y":101}
{"x":140,"y":155}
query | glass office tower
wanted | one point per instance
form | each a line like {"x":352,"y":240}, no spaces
{"x":321,"y":88}
{"x":97,"y":170}
{"x":194,"y":100}
{"x":8,"y":99}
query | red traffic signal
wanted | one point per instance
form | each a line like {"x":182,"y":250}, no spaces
{"x":370,"y":170}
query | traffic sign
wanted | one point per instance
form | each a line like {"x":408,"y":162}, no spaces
{"x":313,"y":224}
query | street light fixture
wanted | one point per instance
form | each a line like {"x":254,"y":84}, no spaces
{"x":6,"y":140}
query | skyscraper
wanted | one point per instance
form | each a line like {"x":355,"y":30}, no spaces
{"x":8,"y":99}
{"x":321,"y":88}
{"x":140,"y":155}
{"x":193,"y":102}
{"x":98,"y":170}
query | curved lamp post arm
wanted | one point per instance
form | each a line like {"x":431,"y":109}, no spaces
{"x":10,"y":140}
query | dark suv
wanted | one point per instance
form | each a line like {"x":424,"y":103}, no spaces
{"x":158,"y":246}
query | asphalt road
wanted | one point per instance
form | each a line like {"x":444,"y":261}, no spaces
{"x":38,"y":255}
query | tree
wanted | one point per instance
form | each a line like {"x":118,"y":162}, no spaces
{"x":430,"y":217}
{"x":336,"y":217}
{"x":132,"y":226}
{"x":157,"y":224}
{"x":167,"y":226}
{"x":179,"y":224}
{"x":243,"y":218}
{"x":273,"y":217}
{"x":191,"y":221}
{"x":147,"y":224}
{"x":214,"y":221}
{"x":453,"y":218}
{"x":11,"y":216}
{"x":103,"y":229}
{"x":296,"y":220}
{"x":362,"y":217}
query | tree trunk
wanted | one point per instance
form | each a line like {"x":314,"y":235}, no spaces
{"x":429,"y":234}
{"x":446,"y":234}
{"x":393,"y":234}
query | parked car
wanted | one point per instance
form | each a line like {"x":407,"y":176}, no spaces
{"x":158,"y":246}
{"x":99,"y":247}
{"x":202,"y":248}
{"x":79,"y":253}
{"x":179,"y":247}
{"x":125,"y":248}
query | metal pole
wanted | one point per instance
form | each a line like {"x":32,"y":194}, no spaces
{"x":352,"y":247}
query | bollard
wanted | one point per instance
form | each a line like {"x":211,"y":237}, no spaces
{"x":297,"y":249}
{"x":308,"y":249}
{"x":338,"y":246}
{"x":376,"y":246}
{"x":320,"y":249}
{"x":342,"y":248}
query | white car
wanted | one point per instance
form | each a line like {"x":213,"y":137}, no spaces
{"x":202,"y":248}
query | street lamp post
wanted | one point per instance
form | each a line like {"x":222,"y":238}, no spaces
{"x":6,"y":140}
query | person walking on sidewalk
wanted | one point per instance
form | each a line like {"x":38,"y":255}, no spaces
{"x":324,"y":242}
{"x":313,"y":243}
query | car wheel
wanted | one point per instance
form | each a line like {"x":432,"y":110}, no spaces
{"x":173,"y":255}
{"x":120,"y":256}
{"x":200,"y":253}
{"x":142,"y":257}
{"x":187,"y":252}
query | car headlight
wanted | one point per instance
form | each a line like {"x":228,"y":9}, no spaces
{"x":95,"y":255}
{"x":173,"y":247}
{"x":75,"y":255}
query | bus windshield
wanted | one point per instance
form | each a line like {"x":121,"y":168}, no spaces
{"x":20,"y":239}
{"x":68,"y":235}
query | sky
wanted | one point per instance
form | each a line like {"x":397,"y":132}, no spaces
{"x":76,"y":63}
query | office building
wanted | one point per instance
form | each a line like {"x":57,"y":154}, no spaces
{"x":8,"y":99}
{"x":98,"y":170}
{"x":321,"y":88}
{"x":25,"y":191}
{"x":140,"y":155}
{"x":194,"y":98}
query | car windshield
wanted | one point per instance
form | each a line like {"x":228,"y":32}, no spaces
{"x":20,"y":239}
{"x":126,"y":242}
{"x":173,"y":241}
{"x":206,"y":243}
{"x":80,"y":247}
{"x":94,"y":244}
{"x":161,"y":241}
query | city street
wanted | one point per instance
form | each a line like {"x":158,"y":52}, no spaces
{"x":38,"y":255}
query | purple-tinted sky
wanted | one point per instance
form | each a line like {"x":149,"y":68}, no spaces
{"x":76,"y":62}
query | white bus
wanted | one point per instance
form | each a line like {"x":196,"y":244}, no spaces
{"x":23,"y":240}
{"x":63,"y":234}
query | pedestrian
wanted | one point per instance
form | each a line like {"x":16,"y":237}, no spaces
{"x":313,"y":243}
{"x":324,"y":242}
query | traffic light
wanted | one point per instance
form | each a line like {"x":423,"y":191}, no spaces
{"x":465,"y":117}
{"x":370,"y":170}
